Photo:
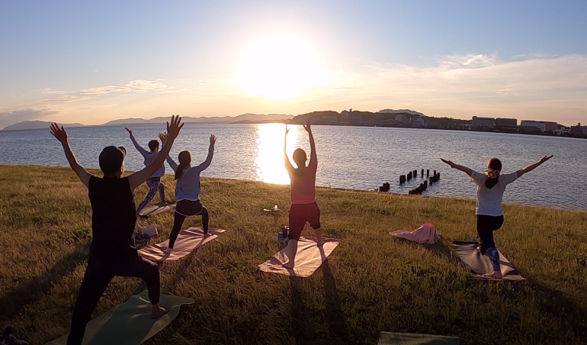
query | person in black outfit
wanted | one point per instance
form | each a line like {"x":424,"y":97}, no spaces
{"x":113,"y":252}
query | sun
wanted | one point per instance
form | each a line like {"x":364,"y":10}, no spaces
{"x":280,"y":66}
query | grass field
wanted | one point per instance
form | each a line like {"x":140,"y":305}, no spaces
{"x":370,"y":283}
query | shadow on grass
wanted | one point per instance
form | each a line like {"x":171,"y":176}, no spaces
{"x":302,"y":324}
{"x":339,"y":333}
{"x":552,"y":302}
{"x":12,"y":303}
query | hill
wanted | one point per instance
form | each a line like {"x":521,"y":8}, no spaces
{"x":25,"y":125}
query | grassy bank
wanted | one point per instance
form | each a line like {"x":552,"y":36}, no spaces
{"x":371,"y":282}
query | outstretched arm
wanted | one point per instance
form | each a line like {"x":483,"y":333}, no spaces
{"x":172,"y":132}
{"x":533,"y":166}
{"x":464,"y":169}
{"x":313,"y":156}
{"x":208,"y":160}
{"x":61,"y":135}
{"x":170,"y":161}
{"x":143,"y":152}
{"x":288,"y":166}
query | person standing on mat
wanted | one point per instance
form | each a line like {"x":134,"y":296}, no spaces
{"x":154,"y":182}
{"x":490,"y":188}
{"x":112,"y":251}
{"x":187,"y":190}
{"x":303,"y":195}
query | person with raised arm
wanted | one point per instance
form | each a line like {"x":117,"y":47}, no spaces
{"x":154,"y":182}
{"x":113,"y":251}
{"x":490,"y":188}
{"x":303,"y":195}
{"x":188,"y":190}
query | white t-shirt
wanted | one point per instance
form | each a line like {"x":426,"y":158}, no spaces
{"x":489,"y":200}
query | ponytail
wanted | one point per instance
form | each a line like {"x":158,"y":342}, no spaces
{"x":181,"y":167}
{"x":492,"y":179}
{"x":185,"y":158}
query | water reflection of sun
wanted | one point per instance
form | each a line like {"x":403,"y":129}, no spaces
{"x":269,"y":160}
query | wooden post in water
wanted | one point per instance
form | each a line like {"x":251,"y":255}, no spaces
{"x":415,"y":173}
{"x":422,"y":173}
{"x":427,"y":172}
{"x":409,"y":175}
{"x":402,"y":179}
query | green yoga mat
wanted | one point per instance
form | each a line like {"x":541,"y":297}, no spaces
{"x":389,"y":338}
{"x":129,"y":323}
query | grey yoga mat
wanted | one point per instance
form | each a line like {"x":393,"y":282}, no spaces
{"x":390,"y":338}
{"x":129,"y":323}
{"x":480,"y":264}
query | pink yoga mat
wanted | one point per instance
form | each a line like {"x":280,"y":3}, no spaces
{"x":308,"y":258}
{"x":187,"y":241}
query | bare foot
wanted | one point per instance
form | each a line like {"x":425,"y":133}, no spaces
{"x":288,"y":265}
{"x":320,"y":244}
{"x":158,"y":312}
{"x":167,"y":250}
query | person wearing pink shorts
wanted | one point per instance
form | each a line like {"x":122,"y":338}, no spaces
{"x":303,"y":196}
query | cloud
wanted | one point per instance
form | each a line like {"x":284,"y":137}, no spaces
{"x":132,"y":87}
{"x":8,"y":118}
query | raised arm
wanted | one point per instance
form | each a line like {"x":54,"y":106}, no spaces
{"x":60,"y":134}
{"x":313,"y":156}
{"x":464,"y":169}
{"x":288,"y":166}
{"x":533,"y":166}
{"x":170,"y":161}
{"x":172,"y":132}
{"x":208,"y":160}
{"x":143,"y":152}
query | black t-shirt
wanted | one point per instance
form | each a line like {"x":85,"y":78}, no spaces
{"x":113,"y":219}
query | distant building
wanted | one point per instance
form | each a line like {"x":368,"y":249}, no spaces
{"x":510,"y":123}
{"x":562,"y":130}
{"x":418,"y":121}
{"x":483,"y":122}
{"x":401,"y":117}
{"x":579,"y":130}
{"x":543,"y":126}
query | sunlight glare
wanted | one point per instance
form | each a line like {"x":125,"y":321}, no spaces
{"x":279,"y":67}
{"x":269,"y":161}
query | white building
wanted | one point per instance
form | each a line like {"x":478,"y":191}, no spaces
{"x":419,"y":121}
{"x":543,"y":126}
{"x":482,"y":122}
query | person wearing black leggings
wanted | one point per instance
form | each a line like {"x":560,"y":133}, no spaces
{"x":490,"y":188}
{"x":113,"y":251}
{"x":187,"y":190}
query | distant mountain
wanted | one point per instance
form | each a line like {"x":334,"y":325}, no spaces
{"x":24,"y":125}
{"x":244,"y":118}
{"x":400,"y":111}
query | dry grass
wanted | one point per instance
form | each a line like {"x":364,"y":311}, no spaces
{"x":371,"y":282}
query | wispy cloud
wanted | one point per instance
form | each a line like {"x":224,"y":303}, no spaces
{"x":134,"y":86}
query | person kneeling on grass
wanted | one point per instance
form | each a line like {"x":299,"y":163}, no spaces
{"x":303,"y":196}
{"x":187,"y":190}
{"x":113,"y":251}
{"x":154,"y":182}
{"x":490,"y":188}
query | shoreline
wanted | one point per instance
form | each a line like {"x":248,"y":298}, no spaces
{"x":375,"y":192}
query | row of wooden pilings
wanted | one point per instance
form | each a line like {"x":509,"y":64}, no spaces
{"x":413,"y":174}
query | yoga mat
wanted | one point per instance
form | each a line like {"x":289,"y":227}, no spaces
{"x":187,"y":241}
{"x":390,"y":338}
{"x":129,"y":323}
{"x":156,"y":209}
{"x":308,"y":258}
{"x":480,"y":264}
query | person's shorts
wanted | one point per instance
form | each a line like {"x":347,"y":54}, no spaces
{"x":299,"y":214}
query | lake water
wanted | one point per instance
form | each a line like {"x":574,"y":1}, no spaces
{"x":360,"y":158}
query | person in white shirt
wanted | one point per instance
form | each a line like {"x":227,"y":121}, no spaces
{"x":154,"y":182}
{"x":187,"y":190}
{"x":490,"y":187}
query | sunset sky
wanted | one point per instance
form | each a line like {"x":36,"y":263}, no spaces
{"x":92,"y":62}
